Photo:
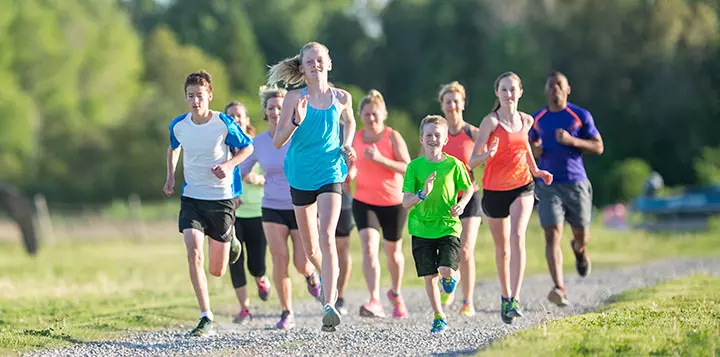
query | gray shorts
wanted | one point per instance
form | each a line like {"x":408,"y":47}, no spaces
{"x":565,"y":201}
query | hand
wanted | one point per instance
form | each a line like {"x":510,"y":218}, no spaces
{"x":429,"y":183}
{"x":301,"y":110}
{"x":372,"y":153}
{"x":221,"y":171}
{"x":254,"y":179}
{"x":457,"y":209}
{"x":493,"y":147}
{"x":563,"y":137}
{"x":350,"y":154}
{"x":169,"y":187}
{"x":544,"y":175}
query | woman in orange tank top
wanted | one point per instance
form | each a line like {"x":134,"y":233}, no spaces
{"x":461,"y":141}
{"x":377,"y":203}
{"x":508,"y":186}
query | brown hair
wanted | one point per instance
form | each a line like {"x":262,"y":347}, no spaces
{"x":432,"y":119}
{"x":269,"y":92}
{"x":451,"y":87}
{"x":250,"y":129}
{"x":200,"y":78}
{"x":287,"y":71}
{"x":372,"y":97}
{"x":512,"y":75}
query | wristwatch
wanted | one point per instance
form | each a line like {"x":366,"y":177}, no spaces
{"x":421,"y":197}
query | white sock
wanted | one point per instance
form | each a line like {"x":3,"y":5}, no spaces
{"x":207,"y":314}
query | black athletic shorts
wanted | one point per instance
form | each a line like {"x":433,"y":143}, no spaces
{"x":390,"y":220}
{"x":215,"y":218}
{"x":496,"y":204}
{"x":474,"y":206}
{"x":431,"y":253}
{"x":345,"y":223}
{"x":285,"y":217}
{"x":304,"y":198}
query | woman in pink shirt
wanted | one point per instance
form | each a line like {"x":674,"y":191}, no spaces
{"x":377,"y":203}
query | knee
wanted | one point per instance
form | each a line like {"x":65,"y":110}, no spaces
{"x":467,"y":253}
{"x":502,"y":252}
{"x":552,"y":236}
{"x":445,"y":271}
{"x":195,"y":256}
{"x":518,"y":239}
{"x":217,"y":270}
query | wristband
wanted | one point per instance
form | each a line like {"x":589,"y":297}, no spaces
{"x":420,"y":196}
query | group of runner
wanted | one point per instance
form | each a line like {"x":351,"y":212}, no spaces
{"x":292,"y":181}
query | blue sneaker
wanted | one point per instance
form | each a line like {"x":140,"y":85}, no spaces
{"x":448,"y":284}
{"x":439,"y":325}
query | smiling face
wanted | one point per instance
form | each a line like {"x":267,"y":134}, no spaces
{"x":273,"y":107}
{"x":373,"y":115}
{"x":239,"y":113}
{"x":452,"y":104}
{"x":198,"y":98}
{"x":434,"y":137}
{"x":315,"y":64}
{"x":508,"y":91}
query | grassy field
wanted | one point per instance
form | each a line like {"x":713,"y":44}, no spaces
{"x":88,"y":290}
{"x":677,"y":318}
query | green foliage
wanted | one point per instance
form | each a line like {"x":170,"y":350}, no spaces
{"x":629,"y":177}
{"x":707,"y":166}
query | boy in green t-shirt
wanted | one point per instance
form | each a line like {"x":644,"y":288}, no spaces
{"x":431,"y":187}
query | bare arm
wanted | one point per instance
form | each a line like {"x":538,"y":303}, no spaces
{"x":480,"y":152}
{"x":285,"y":127}
{"x":593,"y":146}
{"x":411,"y":199}
{"x":173,"y":156}
{"x":401,"y":153}
{"x":536,"y":148}
{"x":346,"y":100}
{"x":240,"y":156}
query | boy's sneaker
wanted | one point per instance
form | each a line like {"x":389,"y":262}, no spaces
{"x":467,"y":309}
{"x":263,"y":286}
{"x":203,"y":328}
{"x":445,"y":298}
{"x":399,"y":309}
{"x":582,"y":261}
{"x":515,"y":310}
{"x":372,"y":309}
{"x":235,"y":249}
{"x":439,"y":325}
{"x":242,"y":317}
{"x":287,"y":320}
{"x":331,"y":318}
{"x":557,"y":297}
{"x":340,"y":306}
{"x":448,"y":284}
{"x":505,"y":307}
{"x":314,"y":286}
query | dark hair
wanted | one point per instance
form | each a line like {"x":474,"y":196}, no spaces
{"x":512,"y":75}
{"x":555,"y":74}
{"x":250,"y":129}
{"x":201,"y":78}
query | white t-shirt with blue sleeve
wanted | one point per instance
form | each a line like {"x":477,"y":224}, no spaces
{"x":204,"y":146}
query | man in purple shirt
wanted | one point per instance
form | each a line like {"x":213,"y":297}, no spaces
{"x":561,"y":134}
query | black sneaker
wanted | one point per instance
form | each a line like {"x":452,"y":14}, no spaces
{"x":340,"y":306}
{"x":505,"y":308}
{"x":204,"y":328}
{"x":582,"y":262}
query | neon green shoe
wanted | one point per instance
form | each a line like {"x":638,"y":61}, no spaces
{"x":445,"y":298}
{"x":204,"y":328}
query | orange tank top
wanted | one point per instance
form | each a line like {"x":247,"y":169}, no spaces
{"x":376,"y":184}
{"x":508,"y":169}
{"x":461,"y":146}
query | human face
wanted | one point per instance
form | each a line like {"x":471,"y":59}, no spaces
{"x":452,"y":103}
{"x":509,"y":91}
{"x":315,"y":64}
{"x":239,"y":113}
{"x":557,"y":90}
{"x":198,"y":98}
{"x":434,"y":137}
{"x":373,"y":115}
{"x":273,"y":108}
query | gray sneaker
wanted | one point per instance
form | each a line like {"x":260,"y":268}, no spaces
{"x":557,"y":297}
{"x":331,"y":318}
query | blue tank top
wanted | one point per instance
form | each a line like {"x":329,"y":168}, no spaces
{"x":314,"y":158}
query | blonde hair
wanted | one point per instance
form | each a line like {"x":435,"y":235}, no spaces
{"x":452,"y":87}
{"x":287,"y":71}
{"x":268,"y":92}
{"x":372,"y":97}
{"x":511,"y":75}
{"x":432,"y":119}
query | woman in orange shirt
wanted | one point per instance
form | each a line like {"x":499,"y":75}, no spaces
{"x":377,"y":203}
{"x":508,"y":187}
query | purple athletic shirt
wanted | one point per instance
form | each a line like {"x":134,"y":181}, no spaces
{"x":564,"y":162}
{"x":277,"y":190}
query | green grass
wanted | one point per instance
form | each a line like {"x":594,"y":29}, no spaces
{"x":678,"y":318}
{"x":89,"y":290}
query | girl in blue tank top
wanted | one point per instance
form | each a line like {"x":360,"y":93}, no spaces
{"x":315,"y":163}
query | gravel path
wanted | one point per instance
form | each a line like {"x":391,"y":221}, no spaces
{"x":371,"y":337}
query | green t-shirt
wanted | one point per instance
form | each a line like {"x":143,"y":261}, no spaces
{"x":431,"y":218}
{"x":251,"y":197}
